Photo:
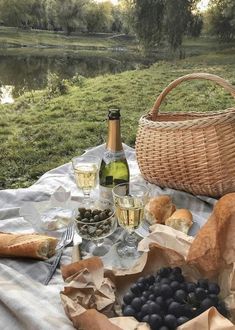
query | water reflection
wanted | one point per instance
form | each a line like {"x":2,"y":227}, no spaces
{"x":29,"y":72}
{"x":6,"y":94}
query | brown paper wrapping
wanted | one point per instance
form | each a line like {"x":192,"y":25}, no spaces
{"x":92,"y":295}
{"x":214,"y":246}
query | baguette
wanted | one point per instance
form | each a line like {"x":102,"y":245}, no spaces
{"x":33,"y":246}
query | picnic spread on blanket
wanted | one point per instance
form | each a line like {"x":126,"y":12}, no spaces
{"x":123,"y":238}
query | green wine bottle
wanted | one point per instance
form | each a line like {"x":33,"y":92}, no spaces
{"x":114,"y":167}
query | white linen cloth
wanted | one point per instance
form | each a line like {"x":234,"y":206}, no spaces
{"x":24,"y":302}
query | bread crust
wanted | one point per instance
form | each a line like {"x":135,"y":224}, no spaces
{"x":34,"y":246}
{"x":181,"y":219}
{"x":159,"y":208}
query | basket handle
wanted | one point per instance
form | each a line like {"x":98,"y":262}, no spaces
{"x":207,"y":76}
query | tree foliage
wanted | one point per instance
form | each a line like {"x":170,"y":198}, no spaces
{"x":68,"y":16}
{"x":99,"y":17}
{"x":15,"y":12}
{"x":158,"y":19}
{"x":195,"y":25}
{"x":151,"y":20}
{"x":221,"y":19}
{"x":148,"y":24}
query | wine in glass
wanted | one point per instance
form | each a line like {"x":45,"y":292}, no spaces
{"x":130,"y":200}
{"x":86,"y":170}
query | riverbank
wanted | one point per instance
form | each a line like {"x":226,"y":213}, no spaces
{"x":39,"y":39}
{"x":15,"y":41}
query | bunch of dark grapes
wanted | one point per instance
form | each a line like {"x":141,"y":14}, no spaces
{"x":166,"y":300}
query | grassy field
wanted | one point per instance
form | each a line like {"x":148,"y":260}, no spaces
{"x":38,"y":133}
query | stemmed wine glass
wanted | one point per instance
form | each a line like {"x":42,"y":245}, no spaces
{"x":86,"y":170}
{"x":130,"y":200}
{"x":94,"y":224}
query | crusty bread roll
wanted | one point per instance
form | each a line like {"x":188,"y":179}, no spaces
{"x":181,"y":219}
{"x":158,"y":209}
{"x":27,"y":245}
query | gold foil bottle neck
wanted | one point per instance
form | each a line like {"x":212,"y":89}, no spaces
{"x":114,"y":142}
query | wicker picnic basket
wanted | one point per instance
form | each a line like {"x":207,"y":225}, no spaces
{"x":194,"y":152}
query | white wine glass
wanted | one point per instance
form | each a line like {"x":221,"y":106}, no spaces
{"x":130,"y":200}
{"x":86,"y":169}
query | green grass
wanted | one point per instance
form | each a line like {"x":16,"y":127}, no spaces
{"x":38,"y":133}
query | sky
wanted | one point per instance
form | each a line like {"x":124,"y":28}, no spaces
{"x":202,"y":5}
{"x":115,"y":2}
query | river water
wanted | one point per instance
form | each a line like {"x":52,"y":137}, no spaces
{"x":29,"y":72}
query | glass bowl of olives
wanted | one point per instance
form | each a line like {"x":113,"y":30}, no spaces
{"x":95,"y":220}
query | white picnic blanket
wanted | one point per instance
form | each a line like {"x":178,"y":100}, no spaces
{"x":25,"y":303}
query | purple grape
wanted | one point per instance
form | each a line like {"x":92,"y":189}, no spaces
{"x":145,"y":294}
{"x":203,"y":283}
{"x":135,"y":289}
{"x":141,"y":286}
{"x":129,"y":296}
{"x":143,"y":300}
{"x":164,"y":272}
{"x":180,"y":278}
{"x":154,"y":308}
{"x":145,"y":309}
{"x":213,"y":288}
{"x":155,"y":321}
{"x":136,"y":304}
{"x":175,"y":285}
{"x":182,"y":320}
{"x":192,"y":299}
{"x":145,"y":319}
{"x":214,"y":297}
{"x":160,"y":301}
{"x":180,"y":295}
{"x":157,"y":290}
{"x":165,"y":281}
{"x":191,"y":286}
{"x":175,"y":308}
{"x":128,"y":311}
{"x":166,"y":291}
{"x":150,"y":279}
{"x":152,"y":297}
{"x":168,"y":301}
{"x":177,"y":271}
{"x":170,"y":321}
{"x":207,"y":303}
{"x":200,"y":294}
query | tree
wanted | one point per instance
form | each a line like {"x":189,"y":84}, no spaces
{"x":99,"y":17}
{"x":117,"y":23}
{"x":15,"y":12}
{"x":195,"y":25}
{"x":177,"y":16}
{"x":221,"y":19}
{"x":127,"y":8}
{"x":70,"y":14}
{"x":155,"y":19}
{"x":149,"y":21}
{"x":38,"y":14}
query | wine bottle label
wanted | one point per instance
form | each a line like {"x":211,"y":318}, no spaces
{"x":110,"y":156}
